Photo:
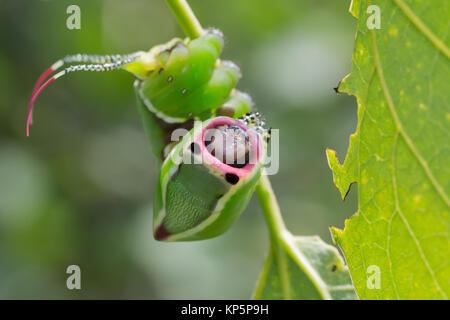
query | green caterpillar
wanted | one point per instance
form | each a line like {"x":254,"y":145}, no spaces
{"x":179,"y":83}
{"x":190,"y":81}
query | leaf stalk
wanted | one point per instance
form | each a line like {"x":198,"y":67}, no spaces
{"x":186,"y":18}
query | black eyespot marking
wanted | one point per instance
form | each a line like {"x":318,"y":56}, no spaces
{"x":195,"y":148}
{"x":333,"y":268}
{"x":231,"y":178}
{"x":160,"y":70}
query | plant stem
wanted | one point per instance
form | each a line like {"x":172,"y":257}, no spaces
{"x":277,"y":229}
{"x":269,"y":206}
{"x":186,"y":18}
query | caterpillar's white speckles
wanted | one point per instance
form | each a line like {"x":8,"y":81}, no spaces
{"x":256,"y":121}
{"x":100,"y":67}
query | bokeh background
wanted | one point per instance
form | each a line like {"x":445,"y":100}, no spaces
{"x":79,"y":190}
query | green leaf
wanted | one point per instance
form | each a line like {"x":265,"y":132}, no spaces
{"x":303,"y":268}
{"x":399,"y":155}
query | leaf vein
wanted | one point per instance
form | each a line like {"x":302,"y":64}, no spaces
{"x":408,"y":227}
{"x":438,"y":43}
{"x":399,"y":126}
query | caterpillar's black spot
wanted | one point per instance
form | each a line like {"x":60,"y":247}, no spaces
{"x":231,"y":178}
{"x":160,"y":70}
{"x":333,"y":268}
{"x":195,"y":148}
{"x":170,"y":79}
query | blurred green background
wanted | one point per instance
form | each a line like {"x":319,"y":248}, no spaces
{"x":79,"y":190}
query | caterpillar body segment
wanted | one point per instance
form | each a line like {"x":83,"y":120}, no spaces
{"x":168,"y":92}
{"x":238,"y":104}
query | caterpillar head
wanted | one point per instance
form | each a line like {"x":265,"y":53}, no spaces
{"x":202,"y":195}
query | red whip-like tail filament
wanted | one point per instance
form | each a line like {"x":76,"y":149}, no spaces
{"x":33,"y":99}
{"x":103,"y":63}
{"x":41,"y":79}
{"x":58,"y":64}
